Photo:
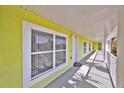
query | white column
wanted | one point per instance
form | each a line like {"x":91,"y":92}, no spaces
{"x":120,"y":48}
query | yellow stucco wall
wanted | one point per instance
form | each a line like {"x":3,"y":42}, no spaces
{"x":11,"y":45}
{"x":95,"y":44}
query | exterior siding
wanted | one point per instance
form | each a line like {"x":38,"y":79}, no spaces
{"x":11,"y":45}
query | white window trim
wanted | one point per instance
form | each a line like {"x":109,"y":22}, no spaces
{"x":84,"y":47}
{"x":41,"y":52}
{"x":27,"y":27}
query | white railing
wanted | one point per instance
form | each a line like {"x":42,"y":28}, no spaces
{"x":111,"y":63}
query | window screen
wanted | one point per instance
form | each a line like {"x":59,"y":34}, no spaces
{"x":42,"y":52}
{"x":41,"y":41}
{"x":41,"y":63}
{"x":89,"y":46}
{"x":85,"y":47}
{"x":60,"y":57}
{"x":60,"y":50}
{"x":60,"y":43}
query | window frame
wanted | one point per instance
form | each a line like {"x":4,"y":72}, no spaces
{"x":84,"y":48}
{"x":59,"y":50}
{"x":27,"y":29}
{"x":113,"y":40}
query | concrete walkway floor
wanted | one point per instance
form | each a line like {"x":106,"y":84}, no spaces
{"x":98,"y":76}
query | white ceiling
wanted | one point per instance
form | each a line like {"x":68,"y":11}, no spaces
{"x":87,"y":20}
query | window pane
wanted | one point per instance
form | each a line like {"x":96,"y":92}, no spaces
{"x":89,"y":47}
{"x":85,"y":47}
{"x":41,"y":63}
{"x":60,"y":42}
{"x":114,"y":46}
{"x":41,"y":41}
{"x":60,"y":57}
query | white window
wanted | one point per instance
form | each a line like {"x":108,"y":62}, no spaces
{"x":44,"y":52}
{"x":41,"y":52}
{"x":84,"y":47}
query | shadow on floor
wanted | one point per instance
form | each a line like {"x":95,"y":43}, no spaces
{"x":98,"y":67}
{"x":75,"y":77}
{"x":69,"y":79}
